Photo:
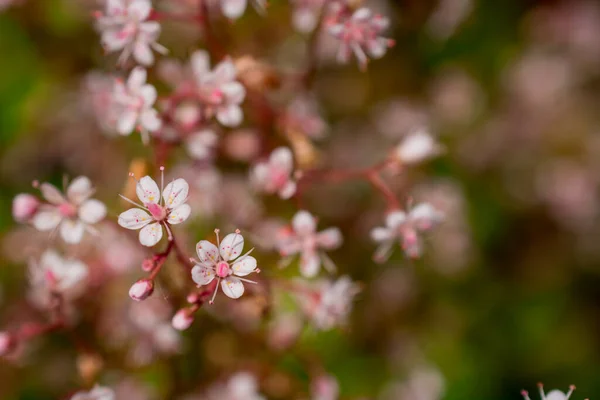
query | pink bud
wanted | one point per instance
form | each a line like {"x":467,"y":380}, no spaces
{"x":148,"y":264}
{"x":7,"y":343}
{"x":142,"y":289}
{"x":24,"y":207}
{"x":182,"y":319}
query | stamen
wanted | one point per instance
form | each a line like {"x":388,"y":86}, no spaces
{"x":35,"y":184}
{"x":541,"y":388}
{"x":571,"y":389}
{"x":133,"y":202}
{"x":245,"y":255}
{"x":525,"y":394}
{"x":212,"y":301}
{"x":170,"y":237}
{"x":246,"y":280}
{"x":328,"y":263}
{"x":162,"y":178}
{"x":218,"y":240}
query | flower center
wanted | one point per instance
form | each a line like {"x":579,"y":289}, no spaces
{"x":223,"y":269}
{"x":158,"y":213}
{"x":67,"y":210}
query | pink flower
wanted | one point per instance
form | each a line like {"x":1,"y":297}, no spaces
{"x":182,"y":319}
{"x":141,"y":289}
{"x":24,"y":207}
{"x":360,"y":34}
{"x":305,"y":15}
{"x":135,"y":100}
{"x":325,"y":387}
{"x":72,"y":214}
{"x":225,"y":263}
{"x":125,"y":27}
{"x":97,"y":393}
{"x":552,"y":395}
{"x":418,"y":146}
{"x":7,"y":343}
{"x":200,"y":145}
{"x":302,"y":115}
{"x":303,"y":239}
{"x":241,"y":386}
{"x":275,"y":174}
{"x":219,"y":89}
{"x":405,"y":228}
{"x":151,"y":214}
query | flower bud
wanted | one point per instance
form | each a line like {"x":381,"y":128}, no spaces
{"x":142,"y":289}
{"x":148,"y":264}
{"x":24,"y":207}
{"x":182,"y":319}
{"x":417,"y":147}
{"x":7,"y":343}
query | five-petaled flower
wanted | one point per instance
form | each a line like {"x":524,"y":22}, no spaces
{"x":72,"y":214}
{"x":302,"y":238}
{"x":134,"y":101}
{"x":225,"y":263}
{"x":275,"y":174}
{"x":153,"y":213}
{"x":405,"y":228}
{"x":97,"y":393}
{"x":360,"y":34}
{"x":125,"y":26}
{"x":552,"y":395}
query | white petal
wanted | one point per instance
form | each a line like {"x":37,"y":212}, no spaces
{"x":148,"y":94}
{"x":142,"y":52}
{"x":225,"y":71}
{"x":244,"y":267}
{"x":234,"y":92}
{"x":230,"y":115}
{"x":207,"y":252}
{"x":140,"y":9}
{"x":147,"y":190}
{"x":304,"y":20}
{"x":395,"y":219}
{"x":150,"y":121}
{"x":281,"y":158}
{"x":79,"y":190}
{"x":233,"y":8}
{"x":425,"y":216}
{"x":92,"y":211}
{"x":202,"y":275}
{"x":232,"y":287}
{"x":151,"y":234}
{"x":52,"y":194}
{"x":176,"y":193}
{"x":231,"y":246}
{"x":200,"y":62}
{"x":126,"y":122}
{"x":304,"y":223}
{"x":201,"y":144}
{"x":46,"y":220}
{"x":377,"y":47}
{"x":288,"y":190}
{"x":260,"y":175}
{"x":136,"y":79}
{"x":72,"y":230}
{"x":362,"y":14}
{"x":180,"y":214}
{"x":134,"y":218}
{"x":380,"y":234}
{"x":310,"y":263}
{"x":330,"y":238}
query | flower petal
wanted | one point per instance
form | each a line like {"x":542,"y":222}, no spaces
{"x":330,"y":238}
{"x":147,"y":190}
{"x":200,"y":62}
{"x":134,"y":218}
{"x":140,"y":9}
{"x":380,"y":234}
{"x":180,"y":214}
{"x":233,"y":8}
{"x":230,"y":115}
{"x":288,"y":190}
{"x":395,"y":219}
{"x":207,"y":252}
{"x":244,"y":267}
{"x":232,"y":287}
{"x":137,"y":78}
{"x":92,"y":211}
{"x":126,"y":122}
{"x":52,"y":194}
{"x":46,"y":220}
{"x":202,"y":275}
{"x":79,"y":190}
{"x":142,"y":52}
{"x":72,"y":230}
{"x":176,"y":193}
{"x":151,"y":234}
{"x":304,"y":223}
{"x":234,"y":92}
{"x":282,"y":159}
{"x":310,"y":263}
{"x":150,"y":120}
{"x":231,"y":246}
{"x":200,"y":144}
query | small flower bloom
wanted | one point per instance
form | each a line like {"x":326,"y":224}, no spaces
{"x":7,"y":343}
{"x":417,"y":147}
{"x":182,"y":319}
{"x":24,"y":207}
{"x":125,"y":27}
{"x":303,"y":239}
{"x":325,"y":387}
{"x":201,"y":144}
{"x":302,"y":115}
{"x":360,"y":34}
{"x":241,"y":386}
{"x":225,"y":263}
{"x":305,"y":16}
{"x":275,"y":174}
{"x":141,"y":289}
{"x":552,"y":395}
{"x":72,"y":214}
{"x":97,"y":393}
{"x":233,"y":9}
{"x":405,"y":228}
{"x":136,"y":99}
{"x":151,"y":214}
{"x":219,"y":89}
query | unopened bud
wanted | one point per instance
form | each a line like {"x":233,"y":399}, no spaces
{"x":24,"y":207}
{"x":182,"y":319}
{"x":142,"y":289}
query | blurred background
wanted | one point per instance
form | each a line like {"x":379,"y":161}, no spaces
{"x":506,"y":294}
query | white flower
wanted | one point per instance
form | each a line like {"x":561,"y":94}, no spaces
{"x":241,"y":386}
{"x":72,"y":214}
{"x":125,"y":27}
{"x":135,"y":100}
{"x":201,"y":144}
{"x":152,"y":215}
{"x":218,"y":88}
{"x":233,"y":9}
{"x":303,"y":239}
{"x":275,"y":174}
{"x":552,"y":395}
{"x":224,"y":263}
{"x":405,"y":228}
{"x":360,"y":34}
{"x":416,"y":147}
{"x":97,"y":393}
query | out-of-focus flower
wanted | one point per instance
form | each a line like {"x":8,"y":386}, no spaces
{"x":275,"y":174}
{"x":97,"y":393}
{"x":423,"y":383}
{"x":448,"y":16}
{"x":360,"y":35}
{"x":241,"y":386}
{"x":302,"y":238}
{"x":325,"y":387}
{"x":141,"y":289}
{"x":200,"y":145}
{"x":284,"y":330}
{"x":328,"y":303}
{"x":302,"y":115}
{"x":234,"y":9}
{"x":24,"y":207}
{"x":225,"y":263}
{"x":7,"y":343}
{"x":552,"y":395}
{"x":152,"y":214}
{"x":182,"y":319}
{"x":305,"y":15}
{"x":136,"y":100}
{"x":73,"y":214}
{"x":405,"y":228}
{"x":418,"y":146}
{"x":125,"y":26}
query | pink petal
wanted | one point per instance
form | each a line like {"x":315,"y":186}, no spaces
{"x":330,"y":238}
{"x":148,"y":94}
{"x":244,"y":267}
{"x":137,"y":78}
{"x":281,"y":158}
{"x":134,"y":218}
{"x":288,"y":190}
{"x":231,"y":246}
{"x":52,"y":194}
{"x":304,"y":223}
{"x":151,"y":234}
{"x":79,"y":190}
{"x":200,"y":63}
{"x":201,"y":144}
{"x":232,"y":287}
